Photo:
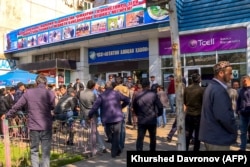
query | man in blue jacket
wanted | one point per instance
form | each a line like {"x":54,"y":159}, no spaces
{"x":218,"y":128}
{"x":110,"y":105}
{"x":39,"y":101}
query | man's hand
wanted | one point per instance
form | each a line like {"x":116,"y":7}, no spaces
{"x":3,"y":117}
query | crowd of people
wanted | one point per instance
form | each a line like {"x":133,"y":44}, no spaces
{"x":211,"y":113}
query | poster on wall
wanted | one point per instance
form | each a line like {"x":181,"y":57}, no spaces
{"x":235,"y":74}
{"x":110,"y":17}
{"x":82,"y":29}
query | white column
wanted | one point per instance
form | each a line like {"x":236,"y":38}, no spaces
{"x":248,"y":50}
{"x":82,"y":67}
{"x":154,"y":59}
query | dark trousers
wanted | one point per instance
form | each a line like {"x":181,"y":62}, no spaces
{"x":114,"y":130}
{"x":173,"y":129}
{"x":45,"y":138}
{"x":141,"y":131}
{"x":192,"y":124}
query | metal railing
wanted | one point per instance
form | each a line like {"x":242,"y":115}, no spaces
{"x":15,"y":139}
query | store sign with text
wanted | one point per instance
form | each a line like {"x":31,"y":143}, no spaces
{"x":110,"y":17}
{"x":131,"y":51}
{"x":207,"y":42}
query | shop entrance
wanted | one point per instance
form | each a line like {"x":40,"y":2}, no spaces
{"x":123,"y":74}
{"x":206,"y":73}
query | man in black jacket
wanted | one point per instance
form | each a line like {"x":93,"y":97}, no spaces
{"x":147,"y":107}
{"x":78,"y":85}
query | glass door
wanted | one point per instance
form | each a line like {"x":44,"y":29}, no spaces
{"x":188,"y":73}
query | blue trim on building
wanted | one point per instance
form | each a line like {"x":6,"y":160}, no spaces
{"x":123,"y":31}
{"x":207,"y":13}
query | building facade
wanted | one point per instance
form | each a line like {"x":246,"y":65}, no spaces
{"x":91,"y":45}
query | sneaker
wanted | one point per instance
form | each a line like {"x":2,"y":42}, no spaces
{"x":119,"y":152}
{"x":169,"y":139}
{"x":104,"y":150}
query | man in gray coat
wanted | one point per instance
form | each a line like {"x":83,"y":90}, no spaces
{"x":218,"y":128}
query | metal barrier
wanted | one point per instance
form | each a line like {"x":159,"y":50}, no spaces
{"x":15,"y":140}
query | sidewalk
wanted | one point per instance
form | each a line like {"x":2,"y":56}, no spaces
{"x":105,"y":160}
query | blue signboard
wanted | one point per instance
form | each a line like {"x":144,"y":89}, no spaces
{"x":129,"y":51}
{"x":110,"y":17}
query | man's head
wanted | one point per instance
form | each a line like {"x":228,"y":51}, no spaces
{"x":171,"y":77}
{"x":41,"y":79}
{"x":91,"y":84}
{"x":196,"y":78}
{"x":129,"y":79}
{"x":223,"y":71}
{"x":12,"y":90}
{"x":110,"y":77}
{"x":108,"y":85}
{"x":20,"y":86}
{"x":63,"y":89}
{"x":245,"y":81}
{"x":236,"y":85}
{"x":118,"y":80}
{"x":152,"y":78}
{"x":77,"y":80}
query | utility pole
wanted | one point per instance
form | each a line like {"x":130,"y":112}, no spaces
{"x":174,"y":31}
{"x":170,"y":6}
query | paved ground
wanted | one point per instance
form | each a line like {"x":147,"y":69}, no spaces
{"x":105,"y":160}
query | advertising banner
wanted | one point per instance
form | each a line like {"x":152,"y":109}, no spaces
{"x":207,"y":42}
{"x":130,"y":51}
{"x":110,"y":17}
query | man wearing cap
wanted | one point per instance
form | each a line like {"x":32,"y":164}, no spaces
{"x":218,"y":128}
{"x":193,"y":95}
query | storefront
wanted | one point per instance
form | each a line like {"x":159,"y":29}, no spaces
{"x":199,"y":53}
{"x":120,"y":60}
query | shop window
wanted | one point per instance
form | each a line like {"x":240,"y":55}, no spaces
{"x":200,"y":60}
{"x":168,"y":62}
{"x":237,"y":57}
